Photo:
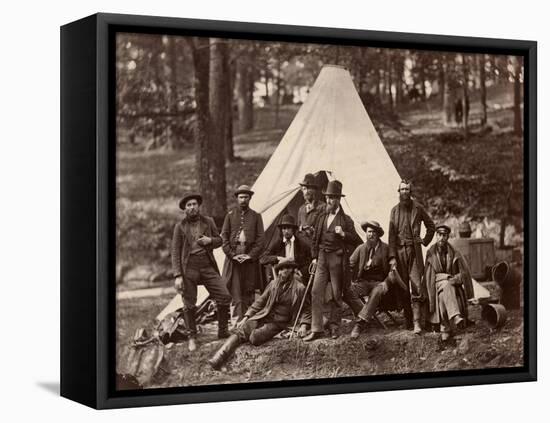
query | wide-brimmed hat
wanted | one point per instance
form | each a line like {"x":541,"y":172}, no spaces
{"x":334,"y":188}
{"x":309,"y":181}
{"x":288,"y":221}
{"x":444,"y":229}
{"x":286,"y":264}
{"x":190,"y":196}
{"x":374,"y":225}
{"x":244,"y":189}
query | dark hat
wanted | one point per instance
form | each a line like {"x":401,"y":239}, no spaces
{"x":286,"y":264}
{"x":444,"y":229}
{"x":188,"y":197}
{"x":334,"y":188}
{"x":287,"y":221}
{"x":309,"y":181}
{"x":374,"y":225}
{"x":244,"y":189}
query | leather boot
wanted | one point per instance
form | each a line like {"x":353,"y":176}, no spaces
{"x":223,"y":318}
{"x":190,"y":322}
{"x":226,"y":350}
{"x":416,"y":317}
{"x":358,"y":327}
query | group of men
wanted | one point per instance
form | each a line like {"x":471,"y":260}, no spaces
{"x":319,"y":262}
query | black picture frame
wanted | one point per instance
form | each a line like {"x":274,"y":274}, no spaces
{"x":88,"y":215}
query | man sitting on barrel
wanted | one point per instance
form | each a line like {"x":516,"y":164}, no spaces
{"x":279,"y":307}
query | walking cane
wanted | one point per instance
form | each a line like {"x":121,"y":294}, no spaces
{"x":311,"y":271}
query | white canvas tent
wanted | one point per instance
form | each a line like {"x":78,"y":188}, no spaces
{"x":332,"y":137}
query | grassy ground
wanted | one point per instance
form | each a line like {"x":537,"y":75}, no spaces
{"x":379,"y":351}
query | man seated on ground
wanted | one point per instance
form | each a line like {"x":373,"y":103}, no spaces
{"x":276,"y":309}
{"x":449,"y":284}
{"x":370,"y":270}
{"x":288,"y":246}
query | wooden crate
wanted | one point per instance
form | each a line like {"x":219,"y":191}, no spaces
{"x":478,"y":252}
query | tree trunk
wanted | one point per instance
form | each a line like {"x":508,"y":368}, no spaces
{"x":422,"y":75}
{"x":173,"y":141}
{"x":465,"y":98}
{"x":278,"y":92}
{"x":518,"y":130}
{"x":448,"y":97}
{"x":243,"y":95}
{"x":483,"y":88}
{"x":378,"y":91}
{"x":209,"y":173}
{"x":266,"y":81}
{"x":389,"y":81}
{"x":400,"y":67}
{"x":218,"y":99}
{"x":229,"y":149}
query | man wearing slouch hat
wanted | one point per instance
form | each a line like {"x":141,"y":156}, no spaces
{"x":193,"y":263}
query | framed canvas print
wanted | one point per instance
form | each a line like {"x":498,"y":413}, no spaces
{"x":258,"y":211}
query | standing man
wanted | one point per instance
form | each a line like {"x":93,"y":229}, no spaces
{"x":371,"y":275}
{"x":449,"y":284}
{"x":193,"y":263}
{"x":405,"y":246}
{"x":242,"y":242}
{"x":335,"y":238}
{"x":275,"y":310}
{"x":289,"y":246}
{"x":311,"y":209}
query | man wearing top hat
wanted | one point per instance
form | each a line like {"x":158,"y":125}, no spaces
{"x":335,"y":238}
{"x":242,"y":242}
{"x":371,"y":275}
{"x":405,"y":248}
{"x":278,"y":308}
{"x":448,"y":283}
{"x":288,"y":245}
{"x":193,"y":263}
{"x":312,"y":207}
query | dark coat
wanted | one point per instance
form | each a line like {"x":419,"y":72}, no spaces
{"x":302,"y":253}
{"x":307,"y":221}
{"x":418,"y":216}
{"x":359,"y":258}
{"x":456,"y":266}
{"x":182,"y":240}
{"x":348,"y":244}
{"x":253,"y":228}
{"x":264,"y":303}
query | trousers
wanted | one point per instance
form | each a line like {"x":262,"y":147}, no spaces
{"x":199,"y":270}
{"x":375,"y":290}
{"x":258,"y":332}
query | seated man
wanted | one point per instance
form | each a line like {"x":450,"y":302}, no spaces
{"x":288,"y":246}
{"x":370,"y":269}
{"x":448,"y":282}
{"x":275,"y":310}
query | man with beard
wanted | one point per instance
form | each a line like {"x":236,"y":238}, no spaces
{"x":449,"y":284}
{"x":335,"y":238}
{"x":371,"y":275}
{"x":193,"y":263}
{"x":311,"y":209}
{"x":405,"y":249}
{"x":274,"y":311}
{"x":288,"y":246}
{"x":242,"y":242}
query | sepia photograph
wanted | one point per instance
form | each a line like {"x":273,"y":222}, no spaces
{"x":292,"y":211}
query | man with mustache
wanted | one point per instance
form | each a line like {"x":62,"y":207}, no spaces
{"x":289,"y":245}
{"x":274,"y":311}
{"x":312,"y":207}
{"x":242,"y":242}
{"x":405,"y":251}
{"x":448,"y":283}
{"x":371,"y":275}
{"x":335,"y":238}
{"x":193,"y":263}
